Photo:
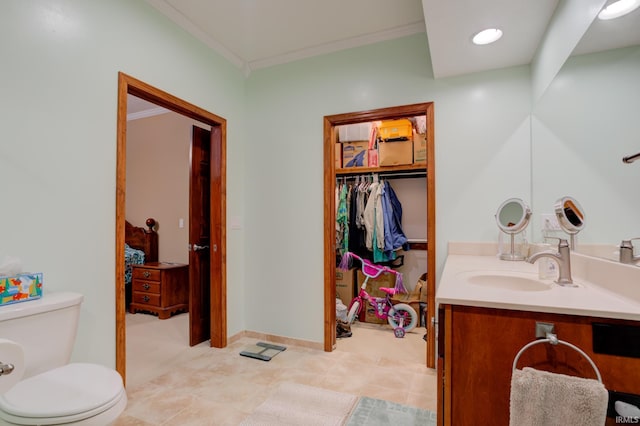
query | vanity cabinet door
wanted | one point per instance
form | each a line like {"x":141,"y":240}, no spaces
{"x":480,"y":345}
{"x":443,"y":367}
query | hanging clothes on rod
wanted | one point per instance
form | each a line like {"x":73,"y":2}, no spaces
{"x":374,"y":223}
{"x":359,"y":196}
{"x":394,"y":237}
{"x":342,"y":218}
{"x":350,"y":197}
{"x":369,"y":218}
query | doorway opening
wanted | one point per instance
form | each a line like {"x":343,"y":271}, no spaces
{"x":211,"y":322}
{"x":330,"y":140}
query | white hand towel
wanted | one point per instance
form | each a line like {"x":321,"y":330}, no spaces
{"x":541,"y":398}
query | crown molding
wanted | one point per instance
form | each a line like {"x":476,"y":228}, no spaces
{"x":146,"y":113}
{"x":183,"y":22}
{"x":247,"y":66}
{"x":418,"y":27}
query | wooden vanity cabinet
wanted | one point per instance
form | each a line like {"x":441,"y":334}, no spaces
{"x":477,"y":346}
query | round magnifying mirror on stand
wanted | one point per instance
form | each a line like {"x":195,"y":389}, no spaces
{"x":570,"y":217}
{"x":513,"y":217}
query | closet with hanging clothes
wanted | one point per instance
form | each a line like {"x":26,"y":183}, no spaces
{"x":372,"y":213}
{"x":369,"y":218}
{"x":369,"y":215}
{"x":383,"y":203}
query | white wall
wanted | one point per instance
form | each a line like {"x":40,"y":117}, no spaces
{"x":58,"y":85}
{"x":482,"y":133}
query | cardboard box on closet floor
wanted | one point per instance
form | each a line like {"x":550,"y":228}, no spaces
{"x":373,"y":288}
{"x":345,"y":285}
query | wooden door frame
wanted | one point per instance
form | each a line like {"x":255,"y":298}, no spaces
{"x":130,"y":85}
{"x":330,"y":139}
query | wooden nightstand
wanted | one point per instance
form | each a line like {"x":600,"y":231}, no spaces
{"x":161,"y":288}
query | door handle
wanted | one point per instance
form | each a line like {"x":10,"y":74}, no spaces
{"x":198,"y":248}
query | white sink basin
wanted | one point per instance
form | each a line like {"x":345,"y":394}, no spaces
{"x":506,"y":280}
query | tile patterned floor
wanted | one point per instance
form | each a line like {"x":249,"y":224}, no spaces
{"x":170,"y":383}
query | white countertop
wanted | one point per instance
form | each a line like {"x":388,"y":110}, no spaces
{"x":606,"y":289}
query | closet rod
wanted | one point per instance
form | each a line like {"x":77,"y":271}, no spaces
{"x":383,"y":174}
{"x":417,"y":173}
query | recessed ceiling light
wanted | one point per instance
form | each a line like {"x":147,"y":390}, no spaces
{"x":618,"y":9}
{"x":487,"y":36}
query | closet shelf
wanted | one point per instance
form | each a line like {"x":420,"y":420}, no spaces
{"x":381,"y":170}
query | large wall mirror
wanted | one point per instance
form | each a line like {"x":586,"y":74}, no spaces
{"x":582,"y":127}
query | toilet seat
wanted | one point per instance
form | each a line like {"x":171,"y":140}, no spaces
{"x":63,"y":395}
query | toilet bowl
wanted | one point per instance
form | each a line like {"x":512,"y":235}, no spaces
{"x":44,"y":388}
{"x":75,"y":394}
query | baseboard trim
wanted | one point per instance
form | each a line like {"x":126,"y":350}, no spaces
{"x":276,"y":339}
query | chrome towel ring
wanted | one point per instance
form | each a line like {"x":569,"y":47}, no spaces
{"x":551,"y":338}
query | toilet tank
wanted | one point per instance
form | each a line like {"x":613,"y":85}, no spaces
{"x":46,"y":328}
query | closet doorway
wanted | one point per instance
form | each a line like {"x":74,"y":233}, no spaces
{"x":214,"y":326}
{"x":331,"y":172}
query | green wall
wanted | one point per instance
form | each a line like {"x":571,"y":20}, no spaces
{"x":58,"y":103}
{"x":482,"y":133}
{"x":57,"y":156}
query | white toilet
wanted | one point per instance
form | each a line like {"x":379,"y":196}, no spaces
{"x":52,"y":391}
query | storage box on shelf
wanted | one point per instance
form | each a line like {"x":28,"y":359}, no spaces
{"x":354,"y":154}
{"x":354,"y":132}
{"x":395,"y":153}
{"x":419,"y":148}
{"x":338,"y":155}
{"x":395,"y":130}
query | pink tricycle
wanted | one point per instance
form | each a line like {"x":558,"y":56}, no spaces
{"x":402,"y":317}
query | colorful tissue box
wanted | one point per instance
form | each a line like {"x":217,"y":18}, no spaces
{"x":20,"y":288}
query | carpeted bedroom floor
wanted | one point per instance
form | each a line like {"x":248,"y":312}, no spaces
{"x":169,"y":383}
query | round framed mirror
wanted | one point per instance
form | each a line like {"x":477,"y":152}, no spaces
{"x":512,"y":217}
{"x":570,"y":217}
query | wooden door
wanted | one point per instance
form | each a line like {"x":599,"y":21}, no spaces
{"x":200,"y":237}
{"x":218,"y":303}
{"x":207,"y":294}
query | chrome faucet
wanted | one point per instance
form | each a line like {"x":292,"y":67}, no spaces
{"x":626,"y":252}
{"x":562,"y":258}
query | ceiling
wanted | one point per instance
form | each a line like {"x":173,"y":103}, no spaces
{"x":255,"y":34}
{"x":139,"y":108}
